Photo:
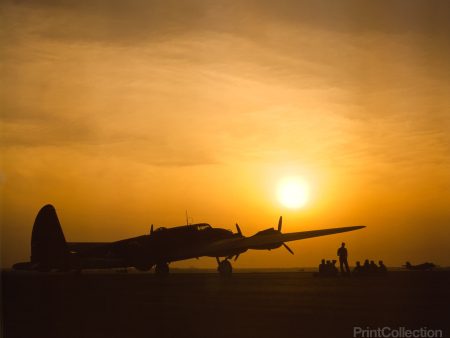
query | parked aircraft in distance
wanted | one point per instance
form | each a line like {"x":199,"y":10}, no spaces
{"x":420,"y":267}
{"x":49,"y":249}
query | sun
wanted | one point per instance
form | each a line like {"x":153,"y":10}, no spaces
{"x":293,"y":192}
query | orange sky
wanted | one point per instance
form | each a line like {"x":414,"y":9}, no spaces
{"x":123,"y":114}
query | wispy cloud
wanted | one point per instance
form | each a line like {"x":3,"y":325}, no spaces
{"x":168,"y":103}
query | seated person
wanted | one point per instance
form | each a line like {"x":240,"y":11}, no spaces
{"x":358,"y":268}
{"x":322,"y":267}
{"x":334,"y":270}
{"x":381,"y":267}
{"x":373,"y":268}
{"x":366,"y":266}
{"x":328,"y":268}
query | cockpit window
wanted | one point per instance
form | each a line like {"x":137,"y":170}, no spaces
{"x":161,"y":229}
{"x":204,"y":226}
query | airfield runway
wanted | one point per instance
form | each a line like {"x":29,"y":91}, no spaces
{"x":289,"y":304}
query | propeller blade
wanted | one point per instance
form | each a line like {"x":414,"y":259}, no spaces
{"x":288,"y":248}
{"x":238,"y":229}
{"x":236,"y":257}
{"x":280,"y":223}
{"x":151,"y":229}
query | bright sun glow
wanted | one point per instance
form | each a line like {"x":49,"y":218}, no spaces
{"x":293,"y":192}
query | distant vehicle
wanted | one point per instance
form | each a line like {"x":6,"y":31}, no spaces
{"x":49,"y":249}
{"x":420,"y":267}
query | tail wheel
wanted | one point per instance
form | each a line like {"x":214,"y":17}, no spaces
{"x":162,"y":269}
{"x":225,"y":268}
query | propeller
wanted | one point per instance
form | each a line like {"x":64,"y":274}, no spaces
{"x":288,"y":248}
{"x":280,"y":225}
{"x":151,"y":229}
{"x":238,"y":229}
{"x":239,"y":232}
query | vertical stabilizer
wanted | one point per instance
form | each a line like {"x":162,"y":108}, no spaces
{"x":48,"y":245}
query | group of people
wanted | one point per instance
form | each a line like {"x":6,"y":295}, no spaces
{"x":329,"y":268}
{"x":369,"y":268}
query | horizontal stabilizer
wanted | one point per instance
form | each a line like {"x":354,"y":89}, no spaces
{"x":24,"y":266}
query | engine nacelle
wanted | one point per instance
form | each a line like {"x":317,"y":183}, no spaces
{"x":269,"y":231}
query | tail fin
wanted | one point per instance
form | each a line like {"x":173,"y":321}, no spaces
{"x":48,"y":245}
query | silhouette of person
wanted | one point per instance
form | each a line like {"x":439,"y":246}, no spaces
{"x":328,"y":268}
{"x":342,"y":253}
{"x":366,"y":266}
{"x":334,"y":269}
{"x":322,"y":267}
{"x":373,"y":268}
{"x":358,"y":268}
{"x":381,"y":267}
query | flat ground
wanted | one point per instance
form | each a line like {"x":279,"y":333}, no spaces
{"x":290,"y":304}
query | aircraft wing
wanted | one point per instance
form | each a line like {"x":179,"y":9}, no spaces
{"x":294,"y":236}
{"x":261,"y":240}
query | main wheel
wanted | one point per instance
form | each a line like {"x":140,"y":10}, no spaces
{"x":162,"y":269}
{"x":225,"y":268}
{"x":143,"y":267}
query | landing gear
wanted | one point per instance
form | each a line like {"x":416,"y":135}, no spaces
{"x":143,"y":267}
{"x":162,"y":269}
{"x":225,"y":269}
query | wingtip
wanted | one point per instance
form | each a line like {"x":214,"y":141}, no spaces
{"x":356,"y":227}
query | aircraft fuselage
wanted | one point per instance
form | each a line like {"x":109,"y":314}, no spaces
{"x":164,"y":245}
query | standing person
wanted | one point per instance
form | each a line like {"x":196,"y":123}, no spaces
{"x":342,"y":253}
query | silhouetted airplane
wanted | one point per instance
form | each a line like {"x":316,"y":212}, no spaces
{"x":49,"y":249}
{"x":421,"y":267}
